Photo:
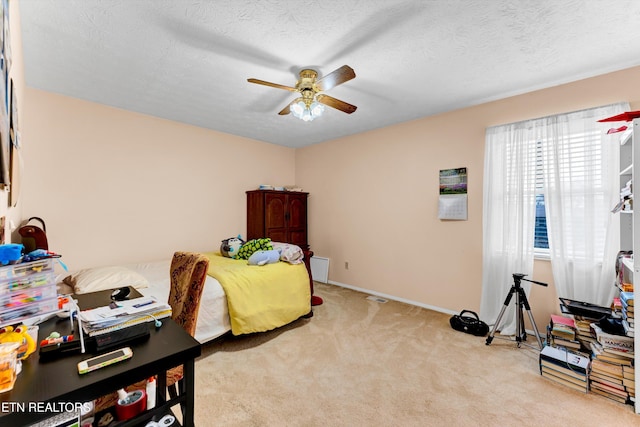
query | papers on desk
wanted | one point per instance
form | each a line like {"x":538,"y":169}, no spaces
{"x":122,"y":314}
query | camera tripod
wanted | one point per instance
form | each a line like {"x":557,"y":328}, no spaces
{"x":521,"y":301}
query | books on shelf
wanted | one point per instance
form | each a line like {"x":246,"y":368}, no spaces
{"x":627,"y":298}
{"x":625,"y":286}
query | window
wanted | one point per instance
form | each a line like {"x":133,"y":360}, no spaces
{"x":583,"y":153}
{"x":566,"y":167}
{"x":541,"y":240}
{"x":540,"y":237}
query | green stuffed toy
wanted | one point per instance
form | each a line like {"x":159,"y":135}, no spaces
{"x":252,"y":246}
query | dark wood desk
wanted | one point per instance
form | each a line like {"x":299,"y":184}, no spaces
{"x":58,"y":380}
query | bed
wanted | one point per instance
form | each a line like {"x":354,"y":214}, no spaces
{"x":260,"y":298}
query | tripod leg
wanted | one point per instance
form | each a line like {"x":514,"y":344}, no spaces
{"x":519,"y":320}
{"x":504,"y":308}
{"x":533,"y":322}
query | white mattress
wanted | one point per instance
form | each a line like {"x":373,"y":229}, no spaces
{"x":213,"y":316}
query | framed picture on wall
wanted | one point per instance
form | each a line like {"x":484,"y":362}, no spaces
{"x":6,"y":49}
{"x":5,"y":143}
{"x":14,"y":149}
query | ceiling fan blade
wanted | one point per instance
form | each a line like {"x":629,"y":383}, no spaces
{"x":335,"y":78}
{"x":286,"y":110}
{"x":276,"y":85}
{"x":336,"y":103}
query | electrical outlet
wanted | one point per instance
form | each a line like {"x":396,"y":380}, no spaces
{"x":346,"y":265}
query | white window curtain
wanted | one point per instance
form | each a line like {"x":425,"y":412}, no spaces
{"x":581,"y":187}
{"x":508,"y":218}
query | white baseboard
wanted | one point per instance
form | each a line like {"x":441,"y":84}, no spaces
{"x":417,"y":304}
{"x":393,"y":298}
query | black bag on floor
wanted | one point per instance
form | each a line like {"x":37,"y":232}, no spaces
{"x":470,"y":325}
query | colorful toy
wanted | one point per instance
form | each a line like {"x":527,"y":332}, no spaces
{"x":248,"y":248}
{"x":264,"y":257}
{"x":230,"y":247}
{"x":21,"y":336}
{"x":10,"y":253}
{"x":39,"y":254}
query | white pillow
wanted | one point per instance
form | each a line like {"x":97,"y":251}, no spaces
{"x":101,"y":278}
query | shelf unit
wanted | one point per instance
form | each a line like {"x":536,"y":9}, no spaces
{"x":630,"y":226}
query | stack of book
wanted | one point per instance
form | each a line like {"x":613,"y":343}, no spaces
{"x":629,"y":381}
{"x":616,"y":307}
{"x":562,"y":333}
{"x":110,"y":318}
{"x":583,"y":331}
{"x":626,"y":199}
{"x":628,"y":318}
{"x":606,"y":379}
{"x":584,"y":315}
{"x":625,"y":286}
{"x":611,"y":355}
{"x":566,"y":368}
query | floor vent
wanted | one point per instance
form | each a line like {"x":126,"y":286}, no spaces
{"x":377,"y":299}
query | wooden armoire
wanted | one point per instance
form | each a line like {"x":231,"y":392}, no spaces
{"x":279,"y":215}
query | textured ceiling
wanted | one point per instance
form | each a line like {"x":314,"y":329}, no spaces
{"x":188,"y":60}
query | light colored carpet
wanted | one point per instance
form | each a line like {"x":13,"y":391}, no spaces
{"x":362,"y":363}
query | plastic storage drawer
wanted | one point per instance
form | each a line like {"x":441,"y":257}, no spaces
{"x":27,"y":290}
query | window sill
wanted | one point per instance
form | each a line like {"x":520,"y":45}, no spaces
{"x":542,"y":254}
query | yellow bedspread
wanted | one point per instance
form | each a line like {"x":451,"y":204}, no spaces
{"x":261,"y":298}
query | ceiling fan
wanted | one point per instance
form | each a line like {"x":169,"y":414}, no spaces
{"x":311,"y":102}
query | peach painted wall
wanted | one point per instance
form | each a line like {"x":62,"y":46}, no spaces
{"x":374,"y":198}
{"x":116,"y":186}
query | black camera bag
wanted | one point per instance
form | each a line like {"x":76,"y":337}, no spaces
{"x":470,"y":325}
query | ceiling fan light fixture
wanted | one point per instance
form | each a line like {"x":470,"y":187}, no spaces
{"x":297,"y":108}
{"x":311,"y":103}
{"x":305,"y":112}
{"x":306,"y":116}
{"x":316,"y":109}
